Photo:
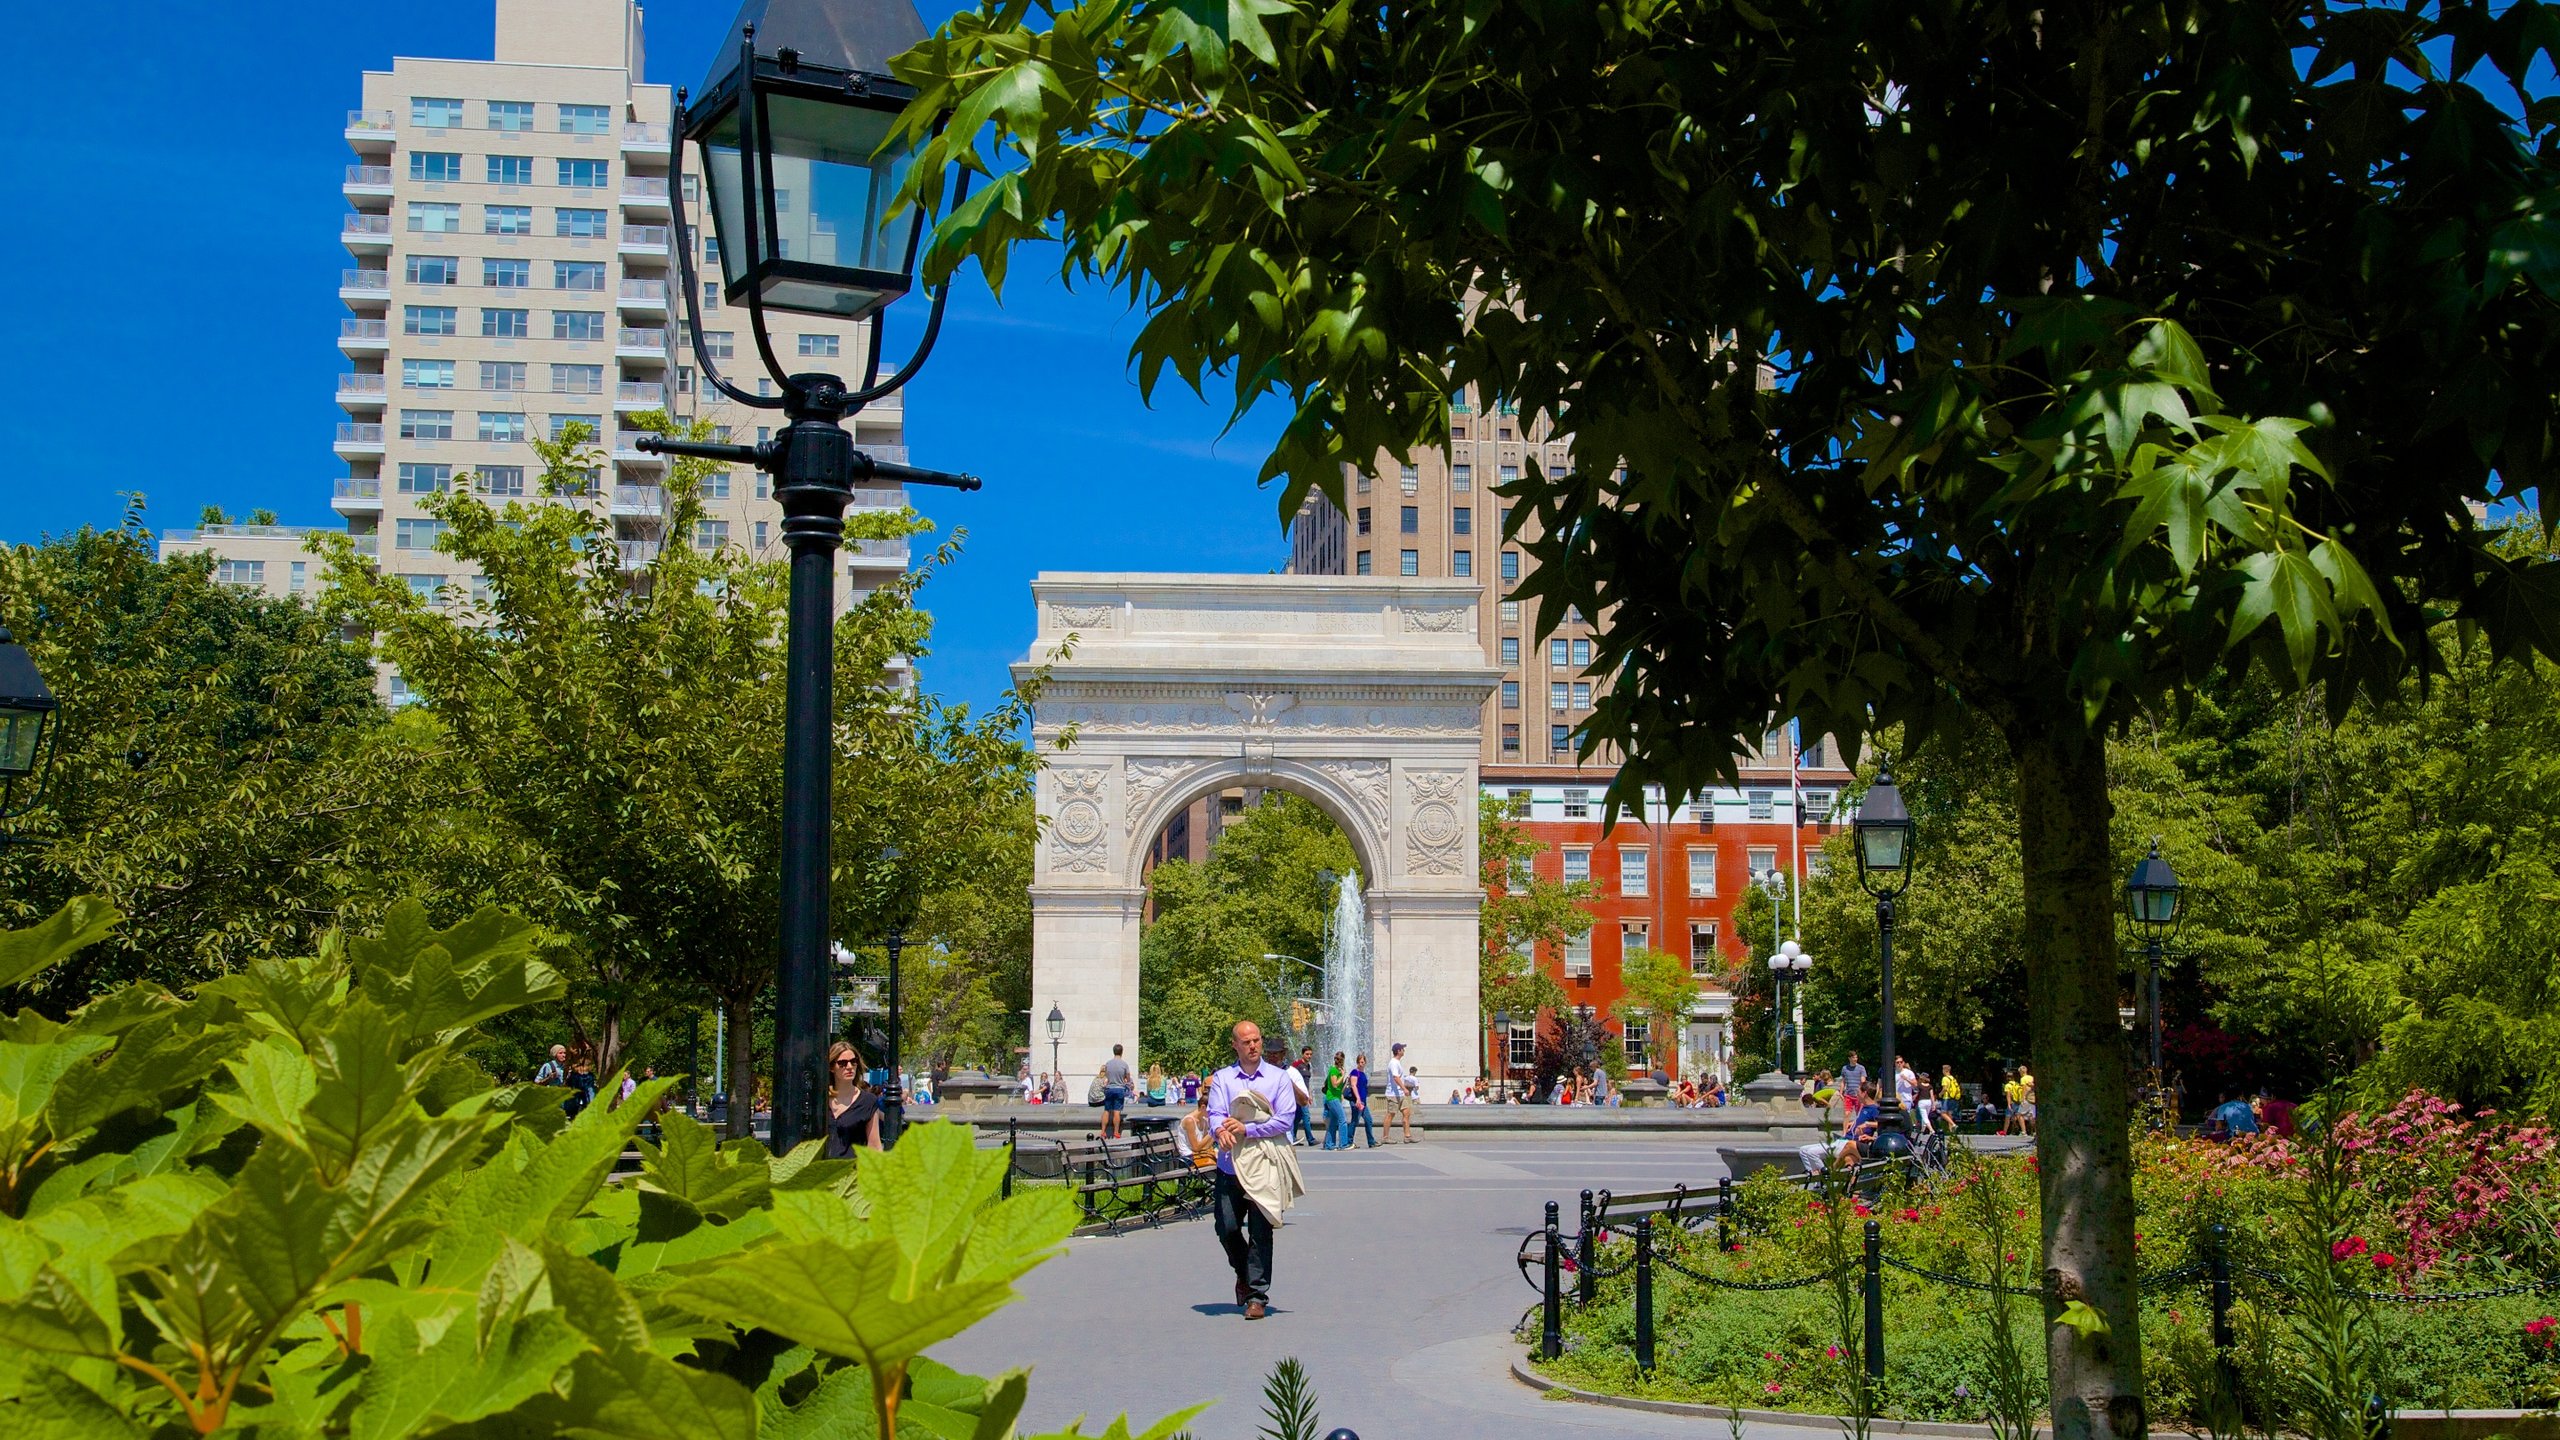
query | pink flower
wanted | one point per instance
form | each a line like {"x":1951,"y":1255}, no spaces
{"x":1768,"y":1354}
{"x":1775,"y":1388}
{"x":2385,"y":1260}
{"x":2349,"y":1248}
{"x":1831,"y":1352}
{"x":1863,"y":1211}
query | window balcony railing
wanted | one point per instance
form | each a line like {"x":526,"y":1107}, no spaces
{"x":655,"y":340}
{"x":359,"y":433}
{"x":353,"y":329}
{"x":649,"y":135}
{"x":876,"y":551}
{"x":362,"y":224}
{"x":369,"y":546}
{"x":369,"y":120}
{"x":377,"y":281}
{"x":356,"y":384}
{"x":879,"y":499}
{"x":650,"y":290}
{"x":640,"y":392}
{"x":652,"y":236}
{"x":636,"y":553}
{"x":359,"y":487}
{"x":639,"y":500}
{"x":644,"y":187}
{"x":369,"y":175}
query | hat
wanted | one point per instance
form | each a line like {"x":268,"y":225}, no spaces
{"x":1398,"y":1047}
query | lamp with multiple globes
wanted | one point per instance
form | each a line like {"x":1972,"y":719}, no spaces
{"x":1789,"y":967}
{"x":1883,"y":840}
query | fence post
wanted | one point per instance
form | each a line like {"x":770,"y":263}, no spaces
{"x":1551,"y":1331}
{"x":1644,"y":1295}
{"x":1873,"y":1285}
{"x":1092,"y":1201}
{"x":1586,"y":1249}
{"x":1724,"y":1213}
{"x":1012,"y":1147}
{"x":2217,"y":1264}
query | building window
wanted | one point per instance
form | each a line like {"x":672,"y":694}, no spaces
{"x":1632,"y":864}
{"x":1462,"y":563}
{"x":1410,"y":481}
{"x":506,"y":481}
{"x":1510,"y":611}
{"x":426,"y":374}
{"x":1360,"y":563}
{"x":1510,"y":694}
{"x":426,"y":588}
{"x":301,"y":577}
{"x":1581,"y":694}
{"x":1511,"y":739}
{"x":1813,"y":755}
{"x":577,"y":379}
{"x":578,"y":224}
{"x":506,"y":324}
{"x":1556,"y":696}
{"x":435,"y":114}
{"x":501,"y":374}
{"x":434,"y":165}
{"x":1363,"y":516}
{"x":506,"y":274}
{"x":434,"y":270}
{"x":1408,"y":562}
{"x":1817,"y":806}
{"x":560,"y":425}
{"x":710,"y":534}
{"x":577,"y":324}
{"x":425,"y":479}
{"x":506,"y":219}
{"x":1510,"y":649}
{"x":1577,"y":956}
{"x":243,"y":573}
{"x":720,"y":344}
{"x":1462,"y":479}
{"x":1409,"y":520}
{"x":1702,"y":870}
{"x":577,"y":275}
{"x":585,"y":119}
{"x":818,"y":345}
{"x":715,"y":486}
{"x":1510,"y":564}
{"x":510,"y":114}
{"x":585,"y":174}
{"x":1560,"y":739}
{"x":1702,"y":947}
{"x":434,"y":217}
{"x":1582,"y":652}
{"x":1577,"y":863}
{"x":710,"y":294}
{"x":1520,"y":1047}
{"x":416,"y":534}
{"x":1459,"y":404}
{"x":1557,"y":654}
{"x":510,"y":169}
{"x":426,"y":424}
{"x":1577,"y":804}
{"x":1763,"y":860}
{"x":1638,"y":1041}
{"x":1764,"y":804}
{"x":1361,"y":484}
{"x":502,"y":426}
{"x":1510,"y":473}
{"x":1462,"y":521}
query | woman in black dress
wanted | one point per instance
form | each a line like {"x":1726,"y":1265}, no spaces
{"x":853,"y":1107}
{"x":582,"y":1081}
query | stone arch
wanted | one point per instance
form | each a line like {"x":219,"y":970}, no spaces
{"x":1365,"y":696}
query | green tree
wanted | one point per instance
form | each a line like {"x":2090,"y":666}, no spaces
{"x":1660,"y":993}
{"x":1524,"y":916}
{"x":1995,"y":365}
{"x":1260,"y":892}
{"x":225,"y":775}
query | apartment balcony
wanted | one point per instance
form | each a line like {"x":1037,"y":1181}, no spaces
{"x":644,"y":243}
{"x":879,"y":499}
{"x":368,"y":546}
{"x":367,"y":182}
{"x":365,"y":287}
{"x":639,"y":395}
{"x":645,"y":192}
{"x":359,"y":438}
{"x":658,"y":140}
{"x":641,"y":345}
{"x":357,"y":336}
{"x":636,"y":554}
{"x":627,"y":451}
{"x":639,"y":502}
{"x":861,"y":555}
{"x":643,"y":297}
{"x":365,"y":234}
{"x":358,"y":495}
{"x":361,"y":392}
{"x":370,"y":132}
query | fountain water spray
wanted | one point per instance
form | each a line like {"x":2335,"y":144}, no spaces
{"x":1346,"y":980}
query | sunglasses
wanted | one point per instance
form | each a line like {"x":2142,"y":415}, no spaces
{"x":846,"y":1061}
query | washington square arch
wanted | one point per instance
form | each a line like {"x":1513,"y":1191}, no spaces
{"x":1364,"y":696}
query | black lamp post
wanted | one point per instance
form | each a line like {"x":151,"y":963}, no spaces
{"x":804,"y":109}
{"x":1788,"y":967}
{"x":2151,"y":893}
{"x":1057,"y":1036}
{"x":1502,"y":1055}
{"x":28,"y":736}
{"x":893,"y":1096}
{"x":1884,"y":845}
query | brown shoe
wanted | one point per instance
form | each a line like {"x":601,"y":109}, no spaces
{"x":1244,"y":1295}
{"x":1253,"y":1310}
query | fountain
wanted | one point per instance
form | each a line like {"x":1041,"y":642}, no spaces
{"x":1346,"y":980}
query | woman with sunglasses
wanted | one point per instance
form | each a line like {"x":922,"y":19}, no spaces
{"x":853,"y":1107}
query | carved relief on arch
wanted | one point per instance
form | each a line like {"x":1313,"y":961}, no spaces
{"x":1145,"y":778}
{"x":1365,"y":781}
{"x":1435,"y":824}
{"x":1079,"y":839}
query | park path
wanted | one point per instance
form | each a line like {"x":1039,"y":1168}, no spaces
{"x":1393,"y":1284}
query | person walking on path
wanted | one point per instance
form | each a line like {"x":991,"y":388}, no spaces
{"x":554,"y":1071}
{"x":1337,"y":1111}
{"x":2027,"y":1099}
{"x":1359,"y":1096}
{"x":2013,"y":1097}
{"x":1115,"y":1093}
{"x":582,"y":1082}
{"x":1402,"y":1087}
{"x":1304,"y":1123}
{"x":853,"y":1104}
{"x":1853,"y":1076}
{"x":1251,"y":1107}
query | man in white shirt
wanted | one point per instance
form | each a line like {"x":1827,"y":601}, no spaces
{"x":1905,"y":1084}
{"x":1297,"y":1074}
{"x":1403,"y":1086}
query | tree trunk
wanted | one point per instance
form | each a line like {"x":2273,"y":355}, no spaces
{"x":2083,"y":1085}
{"x":737,"y":1073}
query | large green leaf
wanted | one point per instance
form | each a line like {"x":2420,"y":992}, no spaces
{"x":83,"y":920}
{"x":860,"y":1302}
{"x":690,"y":1164}
{"x":412,"y":1387}
{"x":54,"y":1406}
{"x":530,"y":1189}
{"x":624,"y":1390}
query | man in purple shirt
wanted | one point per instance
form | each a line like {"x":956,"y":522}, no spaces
{"x":1242,"y":1227}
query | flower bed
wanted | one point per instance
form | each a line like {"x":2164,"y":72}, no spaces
{"x":2424,"y":1201}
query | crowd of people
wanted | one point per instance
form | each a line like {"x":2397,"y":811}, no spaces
{"x":1350,"y":1101}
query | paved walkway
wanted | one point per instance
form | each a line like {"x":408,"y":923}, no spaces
{"x":1393,"y":1283}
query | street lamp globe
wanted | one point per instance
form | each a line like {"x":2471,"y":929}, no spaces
{"x":1057,"y":1022}
{"x":26,"y":716}
{"x":2151,"y":892}
{"x":1883,"y":835}
{"x":1791,"y":956}
{"x":795,"y":129}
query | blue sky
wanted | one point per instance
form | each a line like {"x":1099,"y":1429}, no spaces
{"x":175,"y":329}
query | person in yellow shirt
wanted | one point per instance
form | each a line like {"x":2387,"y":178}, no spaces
{"x":2027,"y":1098}
{"x":2013,"y":1096}
{"x":1950,"y":1097}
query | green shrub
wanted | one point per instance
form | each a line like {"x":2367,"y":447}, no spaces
{"x":286,"y":1206}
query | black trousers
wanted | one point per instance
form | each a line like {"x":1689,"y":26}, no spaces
{"x":1246,"y":1234}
